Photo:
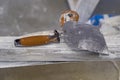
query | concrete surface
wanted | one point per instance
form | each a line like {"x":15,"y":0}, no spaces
{"x":65,"y":71}
{"x":55,"y":51}
{"x":18,"y":17}
{"x":107,"y":7}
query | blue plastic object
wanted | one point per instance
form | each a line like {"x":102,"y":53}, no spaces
{"x":95,"y":20}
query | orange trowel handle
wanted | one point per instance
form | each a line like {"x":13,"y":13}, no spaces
{"x":37,"y":40}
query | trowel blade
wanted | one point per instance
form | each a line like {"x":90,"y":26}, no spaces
{"x":84,"y":37}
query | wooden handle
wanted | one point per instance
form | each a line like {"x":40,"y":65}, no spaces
{"x":37,"y":40}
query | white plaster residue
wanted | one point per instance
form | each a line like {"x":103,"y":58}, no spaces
{"x":1,"y":10}
{"x":79,"y":32}
{"x":36,"y":7}
{"x":110,"y":56}
{"x":18,"y":27}
{"x":44,"y":9}
{"x":21,"y":16}
{"x":110,"y":26}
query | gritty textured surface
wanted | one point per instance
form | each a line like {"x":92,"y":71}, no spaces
{"x":107,"y":7}
{"x":18,"y":17}
{"x":66,"y":71}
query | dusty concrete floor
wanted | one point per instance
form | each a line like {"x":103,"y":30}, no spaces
{"x":66,"y":71}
